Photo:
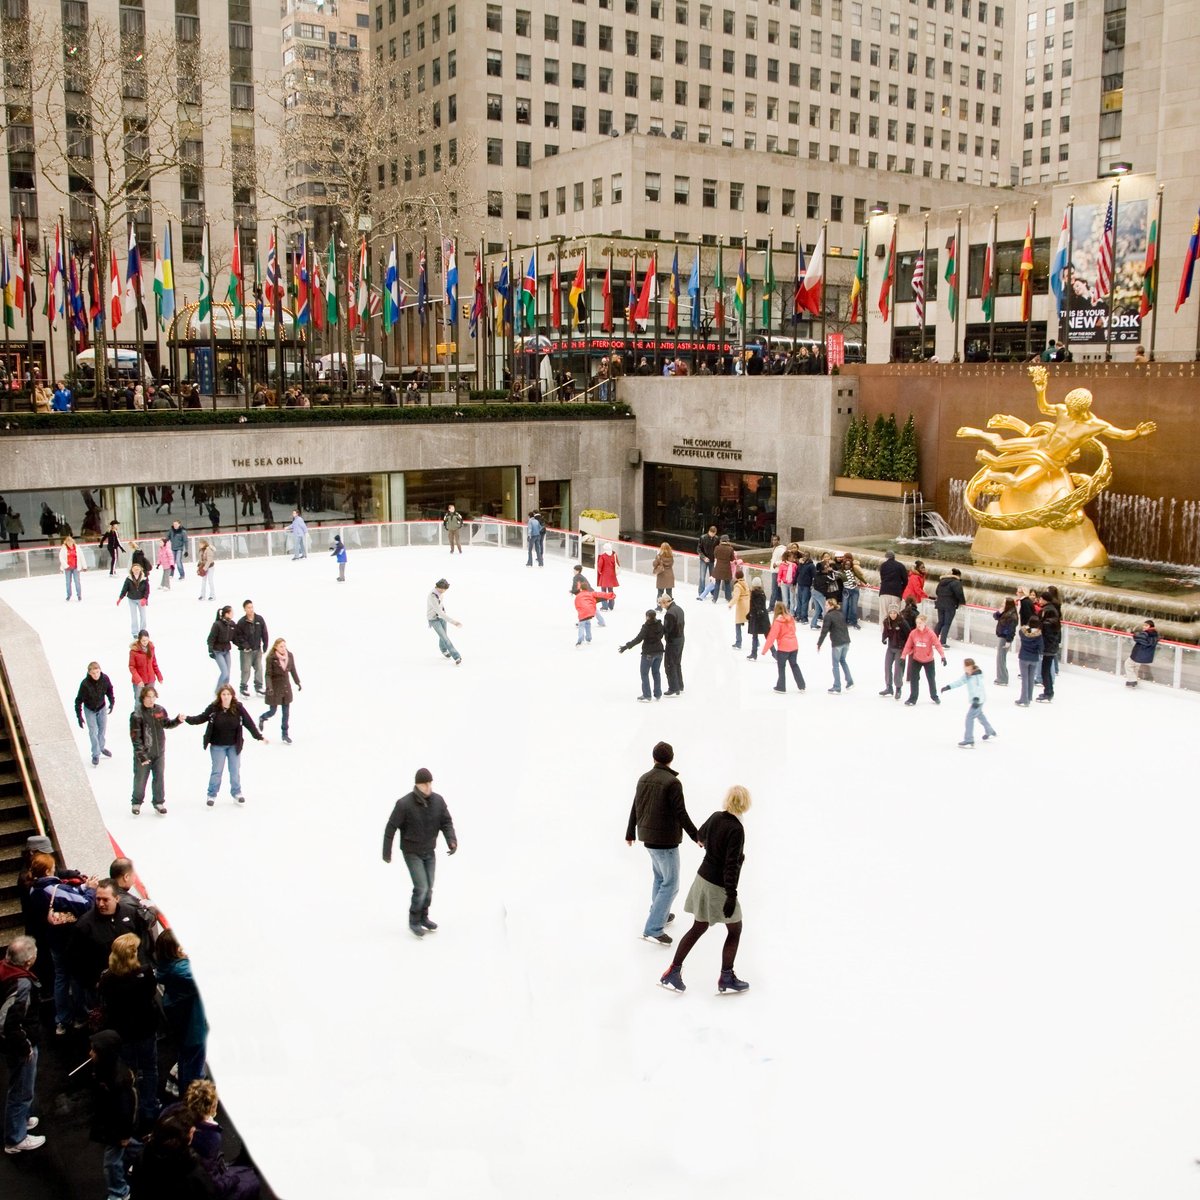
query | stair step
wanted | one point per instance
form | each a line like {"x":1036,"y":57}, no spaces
{"x":15,"y":830}
{"x":10,"y":905}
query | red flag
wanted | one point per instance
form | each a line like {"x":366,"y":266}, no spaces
{"x":889,"y":278}
{"x":21,"y":280}
{"x":317,"y":284}
{"x":352,"y":319}
{"x":649,"y":293}
{"x":607,"y":323}
{"x":555,"y":298}
{"x":95,"y":309}
{"x":1027,"y":275}
{"x":114,"y":290}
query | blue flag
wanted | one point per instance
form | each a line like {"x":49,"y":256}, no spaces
{"x":694,"y":290}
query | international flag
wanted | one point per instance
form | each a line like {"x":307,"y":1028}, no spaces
{"x":918,"y":287}
{"x":259,"y":291}
{"x":740,"y":287}
{"x":271,"y":290}
{"x":422,"y":288}
{"x":6,"y":285}
{"x":235,"y":291}
{"x":391,"y":286}
{"x":75,"y":291}
{"x":631,"y":304}
{"x":606,"y":323}
{"x":768,"y":288}
{"x":797,"y":286}
{"x":989,"y":271}
{"x":300,"y":272}
{"x":1189,"y":264}
{"x":812,"y":300}
{"x":1104,"y":259}
{"x":21,"y":277}
{"x":133,"y":278}
{"x":54,"y":304}
{"x":719,"y":295}
{"x":1027,"y":274}
{"x":649,"y":292}
{"x":363,"y":298}
{"x":951,"y":276}
{"x":114,"y":290}
{"x":503,"y":307}
{"x":331,"y":286}
{"x":450,"y":273}
{"x":860,"y":279}
{"x":1058,"y":268}
{"x":529,"y":294}
{"x":556,"y":297}
{"x":478,"y":300}
{"x":889,"y":277}
{"x":577,"y":296}
{"x":673,"y":296}
{"x":1150,"y":273}
{"x":316,"y":291}
{"x":164,"y":280}
{"x":694,"y":291}
{"x":95,"y":308}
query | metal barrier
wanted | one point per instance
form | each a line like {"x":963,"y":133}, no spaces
{"x":1176,"y":665}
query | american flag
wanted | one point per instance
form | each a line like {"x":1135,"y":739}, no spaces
{"x":1104,"y":260}
{"x":918,"y":287}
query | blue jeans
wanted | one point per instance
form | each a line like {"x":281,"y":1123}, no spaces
{"x":141,"y":1057}
{"x":191,"y":1065}
{"x":727,"y":584}
{"x":776,"y":594}
{"x":664,"y":889}
{"x":1029,"y":671}
{"x":152,"y":771}
{"x":221,"y":658}
{"x":817,"y":605}
{"x":788,"y":595}
{"x":850,"y":607}
{"x":178,"y":562}
{"x":585,"y":631}
{"x":220,"y":755}
{"x":68,"y":1004}
{"x":137,"y":616}
{"x":97,"y":724}
{"x":704,"y":569}
{"x":299,"y":546}
{"x":421,"y":868}
{"x":445,"y":645}
{"x":651,"y":665}
{"x":803,"y":595}
{"x":20,"y":1096}
{"x":114,"y":1168}
{"x":72,"y":575}
{"x":287,"y":708}
{"x":976,"y":714}
{"x":840,"y":666}
{"x":534,"y":546}
{"x":737,"y":635}
{"x":945,"y":618}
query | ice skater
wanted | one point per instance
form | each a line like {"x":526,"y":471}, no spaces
{"x":712,"y":898}
{"x":299,"y":531}
{"x":782,"y":643}
{"x":419,"y":817}
{"x":972,"y":679}
{"x":659,"y":819}
{"x":650,"y":636}
{"x":165,"y":560}
{"x":250,"y":637}
{"x":144,"y":670}
{"x":438,"y":618}
{"x":338,"y":552}
{"x":220,"y":642}
{"x":95,"y":701}
{"x":834,"y":627}
{"x":224,"y":720}
{"x":674,"y":624}
{"x":147,"y":724}
{"x":452,"y":522}
{"x":206,"y":568}
{"x":1145,"y":646}
{"x":535,"y":534}
{"x":70,"y":563}
{"x":585,"y":610}
{"x":111,"y":542}
{"x":136,"y":591}
{"x":919,"y":648}
{"x":281,"y":673}
{"x":1029,"y":658}
{"x":179,"y":539}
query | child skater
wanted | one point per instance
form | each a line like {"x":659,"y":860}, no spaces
{"x":972,"y":677}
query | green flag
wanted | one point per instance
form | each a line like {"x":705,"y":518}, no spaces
{"x":233,"y":293}
{"x":952,"y":276}
{"x":768,"y":289}
{"x":331,"y":289}
{"x":204,"y":309}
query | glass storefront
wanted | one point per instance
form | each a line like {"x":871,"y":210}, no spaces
{"x":687,"y":500}
{"x":474,"y":491}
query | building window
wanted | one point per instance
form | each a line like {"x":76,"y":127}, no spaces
{"x":835,"y":208}
{"x":550,"y":28}
{"x":524,"y":206}
{"x":495,"y":107}
{"x":736,"y":197}
{"x":616,"y":188}
{"x":550,"y":111}
{"x":577,"y":196}
{"x":578,"y":75}
{"x":524,"y":154}
{"x":495,"y":152}
{"x":495,"y":204}
{"x":597,"y":193}
{"x":495,"y":18}
{"x":682,"y":189}
{"x":579,"y":118}
{"x":631,"y":84}
{"x":653,"y":186}
{"x":762,"y":201}
{"x":495,"y":63}
{"x":560,"y":201}
{"x":550,"y":69}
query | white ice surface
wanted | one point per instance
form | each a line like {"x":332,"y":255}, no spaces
{"x":974,"y":973}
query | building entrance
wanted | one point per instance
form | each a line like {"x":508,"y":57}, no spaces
{"x":687,"y":500}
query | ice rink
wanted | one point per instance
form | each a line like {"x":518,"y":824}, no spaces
{"x":974,"y":974}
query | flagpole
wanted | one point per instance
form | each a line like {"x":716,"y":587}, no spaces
{"x":892,"y":290}
{"x":277,"y":317}
{"x":657,"y":326}
{"x":675,"y":285}
{"x":454,"y":309}
{"x":157,"y":314}
{"x":990,"y":283}
{"x":956,"y":357}
{"x":629,"y":312}
{"x":745,"y":263}
{"x":1154,"y":274}
{"x":101,"y":361}
{"x":1069,"y":288}
{"x":696,"y":328}
{"x":769,"y":282}
{"x":824,"y":354}
{"x":480,"y":325}
{"x":866,"y":262}
{"x":397,"y":330}
{"x":69,"y":306}
{"x":585,"y":326}
{"x":1112,"y":283}
{"x":426,"y":345}
{"x":509,"y":327}
{"x":252,"y":378}
{"x":49,"y":311}
{"x":1032,"y":243}
{"x":796,"y":286}
{"x":925,"y":269}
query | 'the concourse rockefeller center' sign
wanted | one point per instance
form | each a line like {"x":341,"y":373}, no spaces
{"x":706,"y":448}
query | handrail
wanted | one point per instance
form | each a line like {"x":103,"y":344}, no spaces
{"x":15,"y":734}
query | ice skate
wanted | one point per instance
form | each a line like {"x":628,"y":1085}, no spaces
{"x":659,"y":939}
{"x":729,"y":982}
{"x":672,"y":980}
{"x":415,"y":928}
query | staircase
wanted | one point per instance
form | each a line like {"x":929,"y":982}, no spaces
{"x":16,"y":824}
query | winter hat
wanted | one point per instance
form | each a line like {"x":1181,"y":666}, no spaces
{"x":606,"y":548}
{"x":663,"y":753}
{"x":441,"y":585}
{"x":39,"y":844}
{"x":424,"y":775}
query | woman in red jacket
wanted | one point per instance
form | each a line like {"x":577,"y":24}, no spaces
{"x":919,"y":649}
{"x":143,"y":665}
{"x":781,"y":639}
{"x":607,"y":565}
{"x":585,"y":610}
{"x":914,"y":589}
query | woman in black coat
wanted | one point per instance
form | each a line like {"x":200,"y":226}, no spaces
{"x":713,"y":898}
{"x":758,"y":623}
{"x":129,"y":1001}
{"x":224,"y":720}
{"x":651,"y":638}
{"x":281,"y":670}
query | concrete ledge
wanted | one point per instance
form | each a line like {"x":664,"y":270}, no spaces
{"x":69,"y":806}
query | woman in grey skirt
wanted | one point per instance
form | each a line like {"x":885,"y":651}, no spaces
{"x":712,"y":899}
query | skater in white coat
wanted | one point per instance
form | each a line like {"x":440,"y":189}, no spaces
{"x":972,"y":680}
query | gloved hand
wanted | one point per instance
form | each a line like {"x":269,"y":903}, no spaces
{"x":387,"y":858}
{"x":452,"y":848}
{"x":299,"y":687}
{"x":943,"y":662}
{"x":211,"y":655}
{"x":946,"y":688}
{"x":110,"y":709}
{"x":622,"y":649}
{"x":976,"y":703}
{"x":730,"y":902}
{"x":81,"y":721}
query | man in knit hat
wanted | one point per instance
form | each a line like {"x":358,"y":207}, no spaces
{"x":419,"y":817}
{"x":659,"y":819}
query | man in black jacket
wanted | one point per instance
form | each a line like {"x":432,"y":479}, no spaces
{"x":1051,"y":619}
{"x":948,"y":597}
{"x":420,"y":817}
{"x":659,"y":818}
{"x":94,"y":934}
{"x":706,"y":548}
{"x":250,"y":637}
{"x":19,"y":1039}
{"x":893,"y":578}
{"x":673,"y":622}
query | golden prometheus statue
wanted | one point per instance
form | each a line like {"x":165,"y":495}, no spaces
{"x":1033,"y":512}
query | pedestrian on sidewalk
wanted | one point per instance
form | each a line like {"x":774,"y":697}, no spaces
{"x":713,"y":896}
{"x":419,"y":817}
{"x":338,"y":552}
{"x":437,"y":617}
{"x":1145,"y":646}
{"x":972,"y":679}
{"x":114,"y":1110}
{"x":93,"y":702}
{"x":659,"y":818}
{"x":129,"y":1005}
{"x":182,"y":1006}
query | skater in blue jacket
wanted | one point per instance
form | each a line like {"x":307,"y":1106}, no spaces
{"x":972,"y":679}
{"x":338,"y":550}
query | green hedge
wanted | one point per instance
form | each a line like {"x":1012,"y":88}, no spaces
{"x":191,"y":418}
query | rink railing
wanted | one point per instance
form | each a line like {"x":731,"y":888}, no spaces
{"x":1176,"y":665}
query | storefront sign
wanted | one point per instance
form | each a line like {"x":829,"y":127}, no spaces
{"x":282,"y":460}
{"x":710,"y":448}
{"x":835,"y":349}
